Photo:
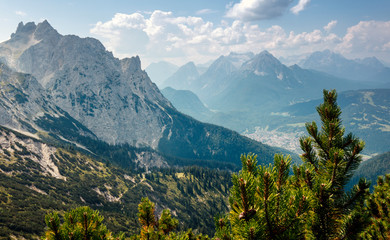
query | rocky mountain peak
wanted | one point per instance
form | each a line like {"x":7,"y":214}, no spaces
{"x":190,"y":66}
{"x":237,"y":59}
{"x":41,"y":31}
{"x":45,"y":30}
{"x":132,"y":64}
{"x":263,"y":63}
{"x":24,"y":29}
{"x":371,"y":62}
{"x":222,"y":66}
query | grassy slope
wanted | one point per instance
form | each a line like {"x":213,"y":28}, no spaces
{"x":27,"y":192}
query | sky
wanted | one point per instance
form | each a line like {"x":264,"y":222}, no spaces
{"x":179,"y":31}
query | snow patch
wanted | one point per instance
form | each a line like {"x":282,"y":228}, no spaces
{"x":259,"y":73}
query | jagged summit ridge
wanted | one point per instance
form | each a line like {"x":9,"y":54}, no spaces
{"x":40,"y":31}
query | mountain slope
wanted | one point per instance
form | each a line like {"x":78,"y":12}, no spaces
{"x":36,"y":178}
{"x":368,"y":70}
{"x":372,"y":168}
{"x":114,"y":98}
{"x":25,"y":105}
{"x":184,"y":78}
{"x":364,"y":112}
{"x":187,"y":102}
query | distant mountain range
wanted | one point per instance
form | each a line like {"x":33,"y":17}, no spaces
{"x":369,"y":70}
{"x":111,"y":100}
{"x":256,"y":94}
{"x":183,"y":78}
{"x":187,"y":102}
{"x":366,"y":113}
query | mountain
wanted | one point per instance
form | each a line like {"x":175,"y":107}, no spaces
{"x":37,"y":178}
{"x":184,"y":78}
{"x":26,"y":106}
{"x":187,"y":102}
{"x":116,"y":100}
{"x":238,"y":59}
{"x":367,"y":70}
{"x":105,"y":94}
{"x":160,"y":71}
{"x":364,"y":112}
{"x":263,"y":83}
{"x":372,"y":168}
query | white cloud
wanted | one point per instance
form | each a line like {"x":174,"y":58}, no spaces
{"x":162,"y":36}
{"x":302,"y":4}
{"x":205,"y":11}
{"x":330,"y":25}
{"x":257,"y":9}
{"x":20,"y":13}
{"x":367,"y":38}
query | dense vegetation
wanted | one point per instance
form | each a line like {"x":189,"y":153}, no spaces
{"x":28,"y":191}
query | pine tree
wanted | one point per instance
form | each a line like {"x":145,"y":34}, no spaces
{"x":378,"y":206}
{"x":80,"y":223}
{"x":264,"y":205}
{"x":268,"y":203}
{"x":151,"y":228}
{"x":330,"y":158}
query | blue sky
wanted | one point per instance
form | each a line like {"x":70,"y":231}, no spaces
{"x":180,"y":31}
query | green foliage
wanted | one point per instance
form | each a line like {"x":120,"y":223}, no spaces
{"x":330,"y":159}
{"x":264,"y":205}
{"x":161,"y":229}
{"x":378,"y":206}
{"x":28,"y":193}
{"x":79,"y":223}
{"x":268,"y":203}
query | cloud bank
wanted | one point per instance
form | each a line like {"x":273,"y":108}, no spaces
{"x":162,"y":36}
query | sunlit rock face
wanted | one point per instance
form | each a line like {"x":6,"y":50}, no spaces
{"x":113,"y":98}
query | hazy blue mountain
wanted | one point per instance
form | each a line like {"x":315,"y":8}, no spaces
{"x":115,"y":99}
{"x":264,"y":83}
{"x":372,"y":168}
{"x":366,"y":113}
{"x":184,"y":78}
{"x":238,"y":59}
{"x":368,"y":70}
{"x":188,"y":103}
{"x":160,"y":71}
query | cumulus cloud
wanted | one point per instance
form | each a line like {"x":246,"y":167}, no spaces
{"x":302,"y":4}
{"x":162,"y":36}
{"x":369,"y":38}
{"x":330,"y":25}
{"x":257,"y":9}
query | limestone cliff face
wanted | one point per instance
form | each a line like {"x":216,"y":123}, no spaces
{"x":25,"y":106}
{"x":113,"y":98}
